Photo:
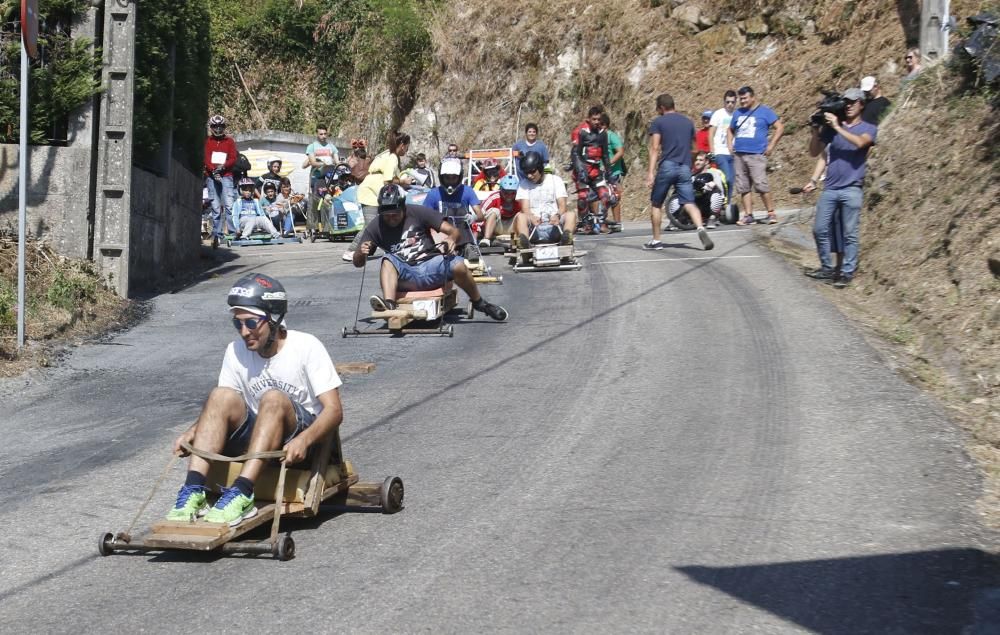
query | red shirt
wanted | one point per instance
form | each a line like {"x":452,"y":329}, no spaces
{"x":701,"y":140}
{"x":495,"y":201}
{"x":225,"y":144}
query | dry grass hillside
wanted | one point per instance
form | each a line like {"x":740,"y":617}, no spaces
{"x":931,"y":217}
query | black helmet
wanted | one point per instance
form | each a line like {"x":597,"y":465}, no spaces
{"x":391,"y":199}
{"x":259,"y":293}
{"x":532,"y":161}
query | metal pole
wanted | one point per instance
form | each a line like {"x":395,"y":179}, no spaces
{"x":22,"y":193}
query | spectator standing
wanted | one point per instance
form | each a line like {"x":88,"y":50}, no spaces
{"x":747,"y":138}
{"x":220,"y":158}
{"x":702,"y":138}
{"x":717,"y":131}
{"x":384,"y":169}
{"x":359,"y":161}
{"x":530,"y":143}
{"x":876,"y":103}
{"x":671,"y":136}
{"x":848,"y":142}
{"x":616,"y":169}
{"x":913,"y":65}
{"x":452,"y":152}
{"x":422,"y":174}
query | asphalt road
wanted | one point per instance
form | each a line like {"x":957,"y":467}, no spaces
{"x":673,"y":441}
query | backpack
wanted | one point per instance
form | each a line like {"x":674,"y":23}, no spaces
{"x":241,"y":168}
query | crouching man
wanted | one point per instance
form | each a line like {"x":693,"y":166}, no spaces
{"x":264,"y":401}
{"x":413,"y":261}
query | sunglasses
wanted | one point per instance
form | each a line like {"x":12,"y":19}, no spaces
{"x":250,"y":323}
{"x":909,"y":57}
{"x":730,"y":101}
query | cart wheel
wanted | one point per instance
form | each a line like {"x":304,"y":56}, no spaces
{"x":500,"y":279}
{"x":471,"y":312}
{"x":343,"y":332}
{"x":312,"y":237}
{"x":104,"y":543}
{"x":451,"y":331}
{"x":284,"y":548}
{"x":392,"y":495}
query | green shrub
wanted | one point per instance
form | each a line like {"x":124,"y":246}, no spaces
{"x":68,"y":291}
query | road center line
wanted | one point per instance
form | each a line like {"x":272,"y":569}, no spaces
{"x":623,"y":262}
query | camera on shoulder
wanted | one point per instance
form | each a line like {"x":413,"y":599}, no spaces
{"x":832,"y":102}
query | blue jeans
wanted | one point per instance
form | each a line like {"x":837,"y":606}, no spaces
{"x":725,"y":163}
{"x":223,"y":193}
{"x":843,"y":205}
{"x":427,"y":275}
{"x":676,"y":174}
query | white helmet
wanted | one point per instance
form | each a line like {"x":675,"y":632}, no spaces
{"x":451,"y":166}
{"x":273,"y":159}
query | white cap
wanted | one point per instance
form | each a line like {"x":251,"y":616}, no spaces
{"x":867,"y":83}
{"x":451,"y":166}
{"x":249,"y":309}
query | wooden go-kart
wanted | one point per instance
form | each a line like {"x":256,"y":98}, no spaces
{"x":280,"y":492}
{"x":424,"y":309}
{"x":547,"y":257}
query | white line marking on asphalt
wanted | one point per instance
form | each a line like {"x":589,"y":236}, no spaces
{"x":624,"y":262}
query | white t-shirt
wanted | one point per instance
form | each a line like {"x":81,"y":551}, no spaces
{"x":542,"y":196}
{"x":721,"y":119}
{"x":302,"y":369}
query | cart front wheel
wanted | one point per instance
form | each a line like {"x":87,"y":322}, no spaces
{"x":343,"y":332}
{"x":104,"y":543}
{"x":392,"y":495}
{"x":285,"y":548}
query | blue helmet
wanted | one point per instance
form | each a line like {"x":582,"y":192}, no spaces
{"x":509,"y":182}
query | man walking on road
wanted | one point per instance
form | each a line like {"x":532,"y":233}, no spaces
{"x":748,"y":142}
{"x":671,"y":137}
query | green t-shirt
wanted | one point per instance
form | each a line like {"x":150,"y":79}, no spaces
{"x":615,"y":144}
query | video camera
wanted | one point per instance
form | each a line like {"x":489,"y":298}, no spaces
{"x":832,"y":102}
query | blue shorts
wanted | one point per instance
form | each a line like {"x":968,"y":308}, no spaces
{"x":239,"y":440}
{"x":427,"y":275}
{"x":545,"y":233}
{"x":677,"y":175}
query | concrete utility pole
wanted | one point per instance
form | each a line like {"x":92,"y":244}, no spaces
{"x":114,"y":157}
{"x":935,"y":26}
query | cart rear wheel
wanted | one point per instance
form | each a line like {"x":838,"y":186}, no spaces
{"x":284,"y":549}
{"x":104,"y":543}
{"x":451,"y":330}
{"x":343,"y":332}
{"x":392,"y":495}
{"x":312,"y":236}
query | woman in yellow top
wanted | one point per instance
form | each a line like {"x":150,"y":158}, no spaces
{"x":384,"y":169}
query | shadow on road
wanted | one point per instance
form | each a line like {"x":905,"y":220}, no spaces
{"x":940,"y":591}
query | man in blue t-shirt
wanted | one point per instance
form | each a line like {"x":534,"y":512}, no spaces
{"x":456,"y":202}
{"x":671,"y":139}
{"x":848,"y":142}
{"x":530,"y":143}
{"x":747,"y":139}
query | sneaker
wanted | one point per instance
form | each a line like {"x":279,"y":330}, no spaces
{"x":232,"y":508}
{"x":495,"y":311}
{"x":485,"y":243}
{"x":523,"y":242}
{"x":566,"y":239}
{"x":190,"y":504}
{"x":378,"y":303}
{"x":821,"y":274}
{"x":712,"y":223}
{"x":842,"y":283}
{"x":706,"y":242}
{"x":772,"y":218}
{"x":605,"y":229}
{"x":653,"y":244}
{"x":348,"y":256}
{"x":746,"y":220}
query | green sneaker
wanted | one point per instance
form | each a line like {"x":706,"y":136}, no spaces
{"x":232,"y":508}
{"x":190,"y":504}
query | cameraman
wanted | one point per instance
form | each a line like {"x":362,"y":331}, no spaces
{"x":848,"y":141}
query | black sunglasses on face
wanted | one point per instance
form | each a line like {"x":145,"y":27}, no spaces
{"x":250,"y":323}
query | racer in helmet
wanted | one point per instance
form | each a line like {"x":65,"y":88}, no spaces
{"x":590,"y":158}
{"x":413,"y":260}
{"x":457,"y":202}
{"x":489,"y":176}
{"x":273,"y":174}
{"x":544,"y":216}
{"x":249,"y":212}
{"x":343,"y":175}
{"x":263,"y":401}
{"x":220,"y":158}
{"x":499,"y":209}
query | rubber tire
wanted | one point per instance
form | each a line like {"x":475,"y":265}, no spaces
{"x":391,"y":494}
{"x":683,"y":223}
{"x":102,"y":543}
{"x":730,"y":214}
{"x":312,"y":236}
{"x":343,"y":332}
{"x":284,"y":550}
{"x":471,"y":312}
